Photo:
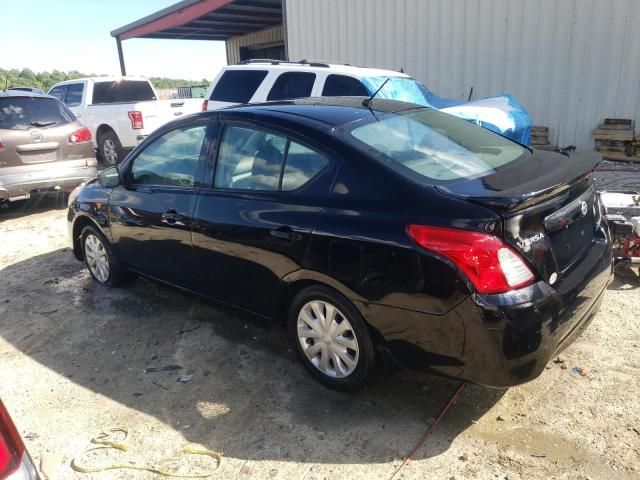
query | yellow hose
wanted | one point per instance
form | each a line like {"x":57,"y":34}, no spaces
{"x":105,"y":444}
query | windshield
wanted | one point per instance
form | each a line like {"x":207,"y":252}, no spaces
{"x":405,"y":89}
{"x":431,"y":146}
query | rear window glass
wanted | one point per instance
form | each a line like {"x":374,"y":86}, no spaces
{"x":122,"y":91}
{"x":22,"y":113}
{"x":343,"y":86}
{"x":292,"y":85}
{"x":433,"y":147}
{"x":237,"y":86}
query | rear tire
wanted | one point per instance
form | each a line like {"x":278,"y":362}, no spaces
{"x":331,"y":338}
{"x":98,"y":256}
{"x":110,"y":148}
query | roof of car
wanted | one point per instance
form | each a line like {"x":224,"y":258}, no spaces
{"x":22,"y":93}
{"x":315,"y":66}
{"x":102,"y":79}
{"x":332,"y":111}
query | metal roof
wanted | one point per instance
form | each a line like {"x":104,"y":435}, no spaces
{"x":205,"y":20}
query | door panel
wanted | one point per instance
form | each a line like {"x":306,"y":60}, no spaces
{"x":248,"y":230}
{"x":151,"y":214}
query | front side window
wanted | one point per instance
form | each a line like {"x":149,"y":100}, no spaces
{"x":59,"y":92}
{"x":433,"y":147}
{"x":172,"y":159}
{"x":74,"y":94}
{"x":251,"y":159}
{"x":292,"y":85}
{"x":237,"y":86}
{"x":343,"y":86}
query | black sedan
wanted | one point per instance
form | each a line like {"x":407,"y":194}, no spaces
{"x":376,"y":231}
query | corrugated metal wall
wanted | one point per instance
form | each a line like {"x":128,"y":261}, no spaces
{"x":267,"y":36}
{"x":570,"y":62}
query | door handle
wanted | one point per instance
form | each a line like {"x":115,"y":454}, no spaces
{"x":171,"y":217}
{"x":285,"y":233}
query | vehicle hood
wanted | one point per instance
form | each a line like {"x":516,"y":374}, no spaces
{"x":531,"y":179}
{"x":502,"y":114}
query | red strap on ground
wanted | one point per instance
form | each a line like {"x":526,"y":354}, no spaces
{"x":424,"y":438}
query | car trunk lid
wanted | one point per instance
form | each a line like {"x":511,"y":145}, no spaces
{"x":548,"y":205}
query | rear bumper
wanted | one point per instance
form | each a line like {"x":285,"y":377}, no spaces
{"x":17,"y":183}
{"x":499,"y":340}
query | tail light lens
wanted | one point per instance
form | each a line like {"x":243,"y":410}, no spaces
{"x":205,"y":105}
{"x":490,"y":264}
{"x":2,"y":147}
{"x":14,"y":460}
{"x":136,"y":120}
{"x":80,"y":136}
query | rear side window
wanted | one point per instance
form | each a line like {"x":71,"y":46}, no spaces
{"x":251,"y":159}
{"x":123,"y":91}
{"x":74,"y":94}
{"x":22,"y":113}
{"x":292,"y":85}
{"x":302,"y":165}
{"x":343,"y":86}
{"x":59,"y":92}
{"x":237,"y":86}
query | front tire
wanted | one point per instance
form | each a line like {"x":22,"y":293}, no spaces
{"x":99,"y":258}
{"x":110,"y":148}
{"x":331,"y":338}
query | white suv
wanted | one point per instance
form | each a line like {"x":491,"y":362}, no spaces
{"x":257,"y":81}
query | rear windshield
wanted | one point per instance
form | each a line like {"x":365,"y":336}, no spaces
{"x":123,"y":91}
{"x":22,"y":113}
{"x":433,"y":147}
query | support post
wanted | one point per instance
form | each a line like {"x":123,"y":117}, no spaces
{"x":123,"y":71}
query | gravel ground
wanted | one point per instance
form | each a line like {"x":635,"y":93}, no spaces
{"x":72,"y":355}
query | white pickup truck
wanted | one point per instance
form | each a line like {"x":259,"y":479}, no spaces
{"x":119,"y":111}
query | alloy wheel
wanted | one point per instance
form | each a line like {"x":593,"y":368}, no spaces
{"x":327,"y":339}
{"x":97,"y":258}
{"x":110,"y":152}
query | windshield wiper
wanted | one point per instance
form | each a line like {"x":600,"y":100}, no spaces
{"x":43,"y":124}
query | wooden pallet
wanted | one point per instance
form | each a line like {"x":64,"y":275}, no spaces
{"x":620,"y":157}
{"x":540,"y":138}
{"x":615,"y":139}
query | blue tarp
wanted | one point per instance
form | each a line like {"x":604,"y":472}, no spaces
{"x":502,"y":114}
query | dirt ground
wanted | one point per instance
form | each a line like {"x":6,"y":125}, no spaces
{"x":72,"y":355}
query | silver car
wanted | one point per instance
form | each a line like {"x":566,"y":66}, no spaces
{"x":43,"y":146}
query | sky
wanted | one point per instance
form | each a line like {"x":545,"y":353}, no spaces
{"x":75,"y":35}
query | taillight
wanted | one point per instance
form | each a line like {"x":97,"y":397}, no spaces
{"x":489,"y":263}
{"x":82,"y":135}
{"x":14,"y":460}
{"x":205,"y":104}
{"x":136,"y":120}
{"x":2,"y":147}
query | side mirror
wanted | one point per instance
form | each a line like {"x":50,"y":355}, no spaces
{"x":109,"y":177}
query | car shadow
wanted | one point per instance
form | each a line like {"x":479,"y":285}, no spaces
{"x":249,"y":396}
{"x":625,"y":278}
{"x":38,"y":203}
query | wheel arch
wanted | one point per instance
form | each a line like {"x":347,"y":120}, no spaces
{"x":102,"y":129}
{"x":294,"y":282}
{"x":78,"y":225}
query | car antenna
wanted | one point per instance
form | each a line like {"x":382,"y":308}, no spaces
{"x":367,"y":101}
